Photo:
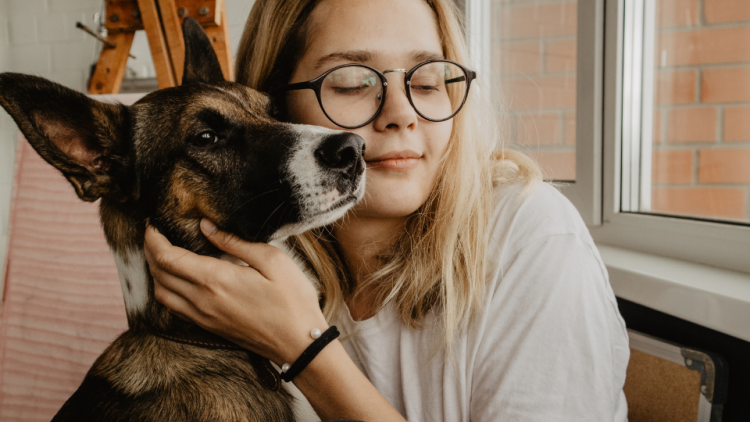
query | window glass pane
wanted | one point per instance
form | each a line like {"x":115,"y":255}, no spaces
{"x":701,"y":113}
{"x":534,"y":64}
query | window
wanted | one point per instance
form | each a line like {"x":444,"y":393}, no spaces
{"x":659,"y":129}
{"x":634,"y":90}
{"x":687,"y":117}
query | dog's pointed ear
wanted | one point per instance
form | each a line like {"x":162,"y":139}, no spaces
{"x":81,"y":137}
{"x":201,"y":63}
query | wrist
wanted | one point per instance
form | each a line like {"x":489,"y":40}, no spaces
{"x":337,"y":389}
{"x":320,"y":340}
{"x":298,"y":340}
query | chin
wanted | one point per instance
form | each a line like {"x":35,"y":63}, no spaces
{"x":390,"y":207}
{"x":392,"y":198}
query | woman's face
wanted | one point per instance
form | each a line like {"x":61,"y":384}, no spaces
{"x":403,"y":150}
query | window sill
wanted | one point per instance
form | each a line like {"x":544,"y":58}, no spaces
{"x":714,"y":298}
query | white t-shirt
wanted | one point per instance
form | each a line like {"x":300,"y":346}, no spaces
{"x":550,"y":345}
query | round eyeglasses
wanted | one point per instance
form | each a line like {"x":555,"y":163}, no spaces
{"x":352,"y":95}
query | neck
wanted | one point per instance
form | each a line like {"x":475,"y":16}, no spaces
{"x":362,"y":243}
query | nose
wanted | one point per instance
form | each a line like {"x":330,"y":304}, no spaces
{"x":342,"y":152}
{"x":397,"y":111}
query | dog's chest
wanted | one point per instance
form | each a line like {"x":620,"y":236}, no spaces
{"x":156,"y":379}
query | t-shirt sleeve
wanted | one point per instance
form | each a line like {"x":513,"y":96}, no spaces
{"x":552,"y":345}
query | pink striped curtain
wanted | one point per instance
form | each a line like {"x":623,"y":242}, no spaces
{"x":62,"y":304}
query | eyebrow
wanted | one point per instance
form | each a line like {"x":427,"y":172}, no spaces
{"x":357,"y":56}
{"x":362,"y":56}
{"x":423,"y":56}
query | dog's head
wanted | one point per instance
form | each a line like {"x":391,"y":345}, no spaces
{"x":207,"y":148}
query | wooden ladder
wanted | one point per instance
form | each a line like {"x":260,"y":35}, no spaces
{"x":162,"y":21}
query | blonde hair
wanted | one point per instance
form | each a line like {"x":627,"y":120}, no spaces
{"x":439,"y":262}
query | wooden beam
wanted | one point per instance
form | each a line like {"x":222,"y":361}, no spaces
{"x":122,"y":16}
{"x":219,"y":36}
{"x":159,"y":50}
{"x":206,"y":12}
{"x":173,"y":32}
{"x":110,"y":68}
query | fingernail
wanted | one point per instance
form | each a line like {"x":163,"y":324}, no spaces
{"x":208,"y":227}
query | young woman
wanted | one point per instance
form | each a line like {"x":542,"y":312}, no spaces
{"x":464,"y":289}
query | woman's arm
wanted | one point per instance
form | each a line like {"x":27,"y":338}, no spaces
{"x":269,"y":307}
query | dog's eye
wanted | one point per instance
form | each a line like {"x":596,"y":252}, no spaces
{"x":206,"y":138}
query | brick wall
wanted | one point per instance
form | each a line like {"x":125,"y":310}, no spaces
{"x":534,"y":61}
{"x":701,"y":160}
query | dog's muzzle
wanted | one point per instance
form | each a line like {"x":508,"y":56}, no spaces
{"x":342,"y":153}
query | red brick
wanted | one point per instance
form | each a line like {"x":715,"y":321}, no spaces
{"x":692,"y":125}
{"x":737,"y":124}
{"x":538,"y":129}
{"x":725,"y":85}
{"x":704,"y":202}
{"x":723,"y":45}
{"x":518,"y":57}
{"x":657,"y":125}
{"x":724,"y":165}
{"x":539,"y":93}
{"x":672,"y":13}
{"x":546,"y":20}
{"x":560,"y":56}
{"x":570,"y":128}
{"x":675,"y":87}
{"x":672,"y":167}
{"x":557,"y":165}
{"x":723,"y":11}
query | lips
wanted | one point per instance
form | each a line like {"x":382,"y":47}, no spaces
{"x":395,"y":160}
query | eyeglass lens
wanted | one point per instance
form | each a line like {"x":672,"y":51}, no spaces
{"x":352,"y":95}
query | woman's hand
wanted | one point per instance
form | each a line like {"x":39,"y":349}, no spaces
{"x":269,"y":307}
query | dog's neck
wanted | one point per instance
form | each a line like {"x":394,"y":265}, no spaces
{"x":124,"y":228}
{"x":135,"y":281}
{"x":145,"y":313}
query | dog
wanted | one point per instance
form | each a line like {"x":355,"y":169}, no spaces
{"x":208,"y":148}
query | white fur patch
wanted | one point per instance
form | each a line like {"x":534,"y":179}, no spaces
{"x":329,"y":199}
{"x":131,"y":267}
{"x":318,"y":220}
{"x":313,"y":186}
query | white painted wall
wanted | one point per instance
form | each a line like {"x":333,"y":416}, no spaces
{"x":39,"y":37}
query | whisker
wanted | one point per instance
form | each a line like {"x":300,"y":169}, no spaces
{"x":271,"y":215}
{"x":250,"y":200}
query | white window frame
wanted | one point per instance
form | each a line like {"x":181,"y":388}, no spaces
{"x":693,"y":269}
{"x":586,"y":191}
{"x":722,"y":245}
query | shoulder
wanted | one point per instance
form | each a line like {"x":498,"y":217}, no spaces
{"x":520,"y":218}
{"x":539,"y":242}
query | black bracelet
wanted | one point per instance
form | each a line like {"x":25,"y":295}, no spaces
{"x":309,"y":354}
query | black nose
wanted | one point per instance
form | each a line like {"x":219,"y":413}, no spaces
{"x":342,"y":152}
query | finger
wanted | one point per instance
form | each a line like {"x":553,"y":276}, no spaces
{"x":165,"y":282}
{"x":178,"y":305}
{"x":163,"y":257}
{"x":260,"y":256}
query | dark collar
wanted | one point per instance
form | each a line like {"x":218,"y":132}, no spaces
{"x":199,"y":337}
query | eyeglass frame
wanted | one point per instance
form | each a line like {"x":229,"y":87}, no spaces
{"x":316,"y":84}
